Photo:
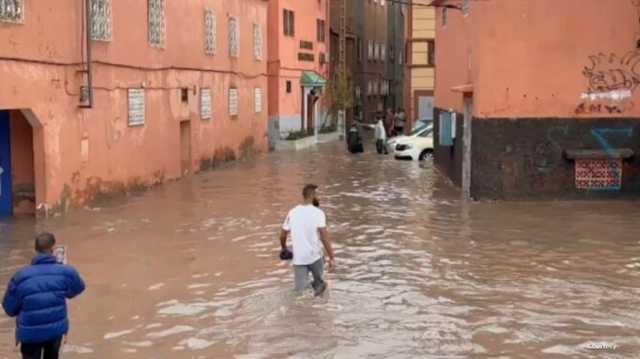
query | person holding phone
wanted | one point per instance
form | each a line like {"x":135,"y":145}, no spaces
{"x":37,"y":295}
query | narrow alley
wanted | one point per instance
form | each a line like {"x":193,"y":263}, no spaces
{"x":189,"y":269}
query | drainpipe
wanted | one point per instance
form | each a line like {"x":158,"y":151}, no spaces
{"x":88,"y":22}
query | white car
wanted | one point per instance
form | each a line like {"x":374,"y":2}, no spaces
{"x":417,"y":146}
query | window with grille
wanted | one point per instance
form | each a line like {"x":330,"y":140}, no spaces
{"x":100,"y":20}
{"x":370,"y":54}
{"x":234,"y":37}
{"x":288,"y":18}
{"x":205,"y":104}
{"x":321,"y":30}
{"x":210,"y":24}
{"x":446,"y":128}
{"x":233,"y":101}
{"x":157,"y":25}
{"x":136,"y":107}
{"x":383,"y":53}
{"x":258,"y":99}
{"x":466,"y":7}
{"x":431,"y":53}
{"x":445,"y":16}
{"x":12,"y":11}
{"x":257,"y":42}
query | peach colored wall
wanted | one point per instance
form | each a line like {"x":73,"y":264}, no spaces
{"x":118,"y":155}
{"x":452,"y":59}
{"x":528,"y":57}
{"x":283,"y":54}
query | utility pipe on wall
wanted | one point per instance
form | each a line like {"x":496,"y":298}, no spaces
{"x":88,"y":25}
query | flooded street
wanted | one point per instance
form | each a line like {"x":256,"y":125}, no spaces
{"x":190,"y":269}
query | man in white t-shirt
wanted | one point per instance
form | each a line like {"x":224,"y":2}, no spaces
{"x":307,"y":225}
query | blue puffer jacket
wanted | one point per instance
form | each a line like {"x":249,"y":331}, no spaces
{"x":37,"y":295}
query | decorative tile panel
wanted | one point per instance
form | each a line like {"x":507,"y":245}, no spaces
{"x":598,"y":174}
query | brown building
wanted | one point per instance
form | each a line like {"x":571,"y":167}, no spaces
{"x":367,"y":52}
{"x":538,"y":98}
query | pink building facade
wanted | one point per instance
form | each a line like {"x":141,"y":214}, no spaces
{"x":172,"y":87}
{"x":298,"y":65}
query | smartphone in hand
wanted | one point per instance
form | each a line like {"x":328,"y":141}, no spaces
{"x":61,"y":254}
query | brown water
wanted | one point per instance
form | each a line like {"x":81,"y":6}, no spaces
{"x":189,"y":269}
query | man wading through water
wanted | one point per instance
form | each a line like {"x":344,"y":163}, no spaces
{"x":38,"y":295}
{"x":307,"y":225}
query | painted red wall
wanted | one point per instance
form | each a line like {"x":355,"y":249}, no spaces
{"x":527,"y":58}
{"x":283,"y":53}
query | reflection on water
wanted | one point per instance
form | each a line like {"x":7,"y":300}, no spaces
{"x":190,"y":269}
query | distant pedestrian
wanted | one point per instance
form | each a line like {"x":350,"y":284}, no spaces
{"x":391,"y":122}
{"x":388,"y":125}
{"x":37,"y":296}
{"x":307,"y":225}
{"x":381,"y":137}
{"x":400,"y":121}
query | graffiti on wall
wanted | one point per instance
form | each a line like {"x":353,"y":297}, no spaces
{"x":613,"y":81}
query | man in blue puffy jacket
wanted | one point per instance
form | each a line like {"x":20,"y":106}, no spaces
{"x":37,"y":295}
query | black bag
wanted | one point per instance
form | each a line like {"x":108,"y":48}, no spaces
{"x":286,"y":255}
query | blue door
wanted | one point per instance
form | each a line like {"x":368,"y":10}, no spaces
{"x":6,"y":205}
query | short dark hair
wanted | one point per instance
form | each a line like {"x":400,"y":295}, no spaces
{"x":45,"y":242}
{"x":308,"y":190}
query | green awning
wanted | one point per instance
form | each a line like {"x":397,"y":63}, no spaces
{"x":312,"y":79}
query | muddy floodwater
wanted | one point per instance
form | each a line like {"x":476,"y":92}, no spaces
{"x":190,"y":269}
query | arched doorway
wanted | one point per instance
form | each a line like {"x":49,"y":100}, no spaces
{"x":17,"y":162}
